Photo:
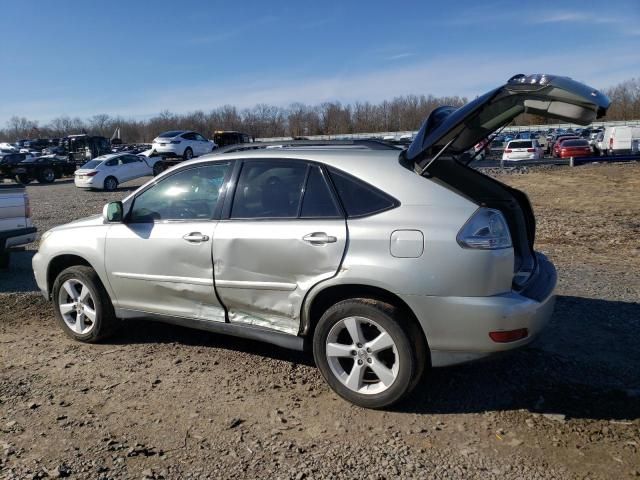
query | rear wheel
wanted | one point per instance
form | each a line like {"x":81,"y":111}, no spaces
{"x":158,"y":168}
{"x":188,"y":154}
{"x":110,"y":183}
{"x":364,"y":351}
{"x":82,"y":306}
{"x":47,"y":175}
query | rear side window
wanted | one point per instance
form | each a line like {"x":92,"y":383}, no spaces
{"x":269,"y":190}
{"x":318,"y":200}
{"x":358,"y":198}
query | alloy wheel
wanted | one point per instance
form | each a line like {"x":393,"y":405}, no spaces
{"x":362,"y":355}
{"x":77,"y":306}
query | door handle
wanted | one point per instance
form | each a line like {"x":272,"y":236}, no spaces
{"x":196,"y":237}
{"x":319,"y":238}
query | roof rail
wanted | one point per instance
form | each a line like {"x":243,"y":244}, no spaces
{"x":309,"y":144}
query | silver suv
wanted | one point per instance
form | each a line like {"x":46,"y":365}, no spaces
{"x":383,"y":261}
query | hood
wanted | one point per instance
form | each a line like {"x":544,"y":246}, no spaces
{"x":91,"y":221}
{"x":459,"y":129}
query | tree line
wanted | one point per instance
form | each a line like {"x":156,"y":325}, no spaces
{"x":402,"y":113}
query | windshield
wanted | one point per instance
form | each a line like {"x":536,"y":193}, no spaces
{"x":171,"y":134}
{"x":92,"y":164}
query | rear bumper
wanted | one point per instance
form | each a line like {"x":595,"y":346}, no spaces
{"x":168,"y":150}
{"x":17,"y":237}
{"x":457,"y":328}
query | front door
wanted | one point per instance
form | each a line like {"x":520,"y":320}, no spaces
{"x":283,"y":233}
{"x":159,"y":260}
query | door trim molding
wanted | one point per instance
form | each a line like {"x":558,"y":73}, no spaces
{"x":282,"y":286}
{"x":164,"y":278}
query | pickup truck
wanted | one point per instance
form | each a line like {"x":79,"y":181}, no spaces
{"x":44,"y":169}
{"x":16,"y":229}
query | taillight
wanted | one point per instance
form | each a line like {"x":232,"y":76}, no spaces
{"x":91,"y":174}
{"x":531,"y":150}
{"x":611,"y":142}
{"x":486,"y":229}
{"x":508,"y":150}
{"x":27,"y":207}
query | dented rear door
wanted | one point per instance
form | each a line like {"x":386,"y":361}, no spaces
{"x":275,"y":244}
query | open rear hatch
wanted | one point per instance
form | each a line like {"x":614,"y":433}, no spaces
{"x":439,"y":149}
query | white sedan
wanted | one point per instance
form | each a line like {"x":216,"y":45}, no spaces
{"x":182,"y":143}
{"x":109,"y":171}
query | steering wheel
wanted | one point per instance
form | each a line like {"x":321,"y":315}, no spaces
{"x":182,"y":209}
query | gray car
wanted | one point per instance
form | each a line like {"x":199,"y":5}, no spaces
{"x":383,"y":262}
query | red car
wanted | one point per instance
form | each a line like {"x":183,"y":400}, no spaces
{"x":556,"y":146}
{"x":575,"y":148}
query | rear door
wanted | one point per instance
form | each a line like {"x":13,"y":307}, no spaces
{"x":283,"y":233}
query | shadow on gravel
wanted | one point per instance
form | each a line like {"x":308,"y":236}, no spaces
{"x":147,"y":331}
{"x":19,"y":276}
{"x":57,"y":182}
{"x":586,"y":364}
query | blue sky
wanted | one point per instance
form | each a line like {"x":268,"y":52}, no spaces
{"x":134,"y":58}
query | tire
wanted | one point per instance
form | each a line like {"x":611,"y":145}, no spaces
{"x":158,"y":168}
{"x":23,"y":178}
{"x":110,"y":184}
{"x":188,"y":154}
{"x":47,"y":175}
{"x":402,"y":358}
{"x":88,"y":330}
{"x":5,"y":259}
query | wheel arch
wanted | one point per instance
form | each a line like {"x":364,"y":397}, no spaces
{"x":317,"y":304}
{"x":60,"y":263}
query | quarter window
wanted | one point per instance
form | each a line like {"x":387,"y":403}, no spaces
{"x":359,"y":198}
{"x":191,"y":194}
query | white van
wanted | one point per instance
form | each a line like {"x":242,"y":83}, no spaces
{"x":617,"y":140}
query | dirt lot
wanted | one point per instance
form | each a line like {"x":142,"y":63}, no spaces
{"x":160,"y":401}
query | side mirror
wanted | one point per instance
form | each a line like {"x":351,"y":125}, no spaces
{"x":112,"y":212}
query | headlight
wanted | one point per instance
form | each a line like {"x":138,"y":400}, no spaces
{"x":486,"y":229}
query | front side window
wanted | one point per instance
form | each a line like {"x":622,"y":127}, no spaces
{"x":190,"y":194}
{"x":129,"y":159}
{"x":269,"y":189}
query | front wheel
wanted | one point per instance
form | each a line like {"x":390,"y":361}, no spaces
{"x":82,"y":305}
{"x":364,"y":351}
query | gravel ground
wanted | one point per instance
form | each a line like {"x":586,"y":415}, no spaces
{"x":160,"y":401}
